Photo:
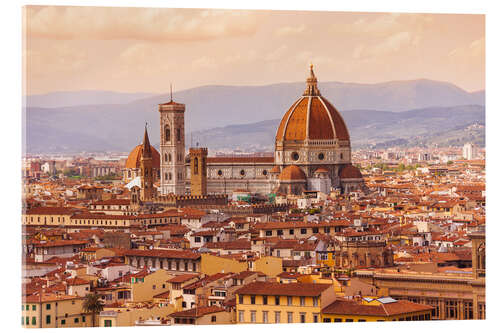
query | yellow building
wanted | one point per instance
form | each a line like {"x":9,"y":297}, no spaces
{"x":212,"y":264}
{"x":374,"y":309}
{"x":144,"y":285}
{"x":51,"y":310}
{"x":271,"y":302}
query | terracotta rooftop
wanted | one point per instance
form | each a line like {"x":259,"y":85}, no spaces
{"x":348,"y":307}
{"x":163,"y":254}
{"x":197,"y":312}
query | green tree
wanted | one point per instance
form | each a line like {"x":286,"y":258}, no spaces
{"x":92,"y":304}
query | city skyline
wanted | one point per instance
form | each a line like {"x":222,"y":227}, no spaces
{"x":144,"y":49}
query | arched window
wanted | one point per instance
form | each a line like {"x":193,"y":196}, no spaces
{"x":195,"y":167}
{"x":166,"y":157}
{"x":167,"y":133}
{"x":169,"y":157}
{"x":178,"y":132}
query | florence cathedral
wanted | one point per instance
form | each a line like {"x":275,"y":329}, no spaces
{"x":312,"y":153}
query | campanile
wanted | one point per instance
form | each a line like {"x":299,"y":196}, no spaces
{"x":172,"y":149}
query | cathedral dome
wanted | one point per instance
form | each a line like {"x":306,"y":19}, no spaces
{"x":134,"y":158}
{"x":292,"y":172}
{"x":350,"y":171}
{"x":312,"y":117}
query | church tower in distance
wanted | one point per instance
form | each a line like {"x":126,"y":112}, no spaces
{"x":147,"y":177}
{"x":198,"y":167}
{"x":172,"y":149}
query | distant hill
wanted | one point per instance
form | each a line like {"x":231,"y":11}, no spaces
{"x":84,"y":97}
{"x":119,"y":126}
{"x":368,"y":128}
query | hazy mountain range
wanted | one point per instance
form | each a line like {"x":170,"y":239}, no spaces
{"x":247,"y":116}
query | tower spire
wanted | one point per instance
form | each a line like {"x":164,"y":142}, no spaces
{"x":146,"y":146}
{"x":171,"y":92}
{"x":311,"y":84}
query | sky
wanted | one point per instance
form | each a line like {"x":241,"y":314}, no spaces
{"x":146,"y":49}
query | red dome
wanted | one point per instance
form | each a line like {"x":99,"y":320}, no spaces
{"x":312,"y":117}
{"x":350,"y":171}
{"x":134,"y":158}
{"x":292,"y":172}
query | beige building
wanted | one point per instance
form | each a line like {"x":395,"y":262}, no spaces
{"x":53,"y":311}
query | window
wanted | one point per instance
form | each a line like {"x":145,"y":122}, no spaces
{"x":295,"y":156}
{"x":264,"y":317}
{"x":291,"y":231}
{"x":451,"y":307}
{"x":327,"y":320}
{"x":242,"y":172}
{"x":27,"y":307}
{"x":302,"y":317}
{"x":183,"y":304}
{"x":252,"y":316}
{"x":315,"y":230}
{"x":167,"y":133}
{"x":264,"y":300}
{"x":76,"y":320}
{"x":178,"y":133}
{"x":83,"y":319}
{"x":269,"y":232}
{"x":63,"y":322}
{"x":252,"y":299}
{"x":33,"y":307}
{"x":289,"y":316}
{"x":195,"y":166}
{"x":302,"y":301}
{"x":277,"y":300}
{"x":289,"y":300}
{"x":303,"y":231}
{"x":240,"y":299}
{"x":277,"y":317}
{"x":22,"y":318}
{"x":107,"y":323}
{"x":315,"y":317}
{"x":47,"y":306}
{"x":349,"y":320}
{"x":47,"y":319}
{"x":315,"y":301}
{"x":241,"y":316}
{"x":337,"y":320}
{"x":213,"y":319}
{"x":360,"y":320}
{"x":321,"y":156}
{"x":154,"y":286}
{"x":27,"y":320}
{"x":279,"y":232}
{"x":468,"y":310}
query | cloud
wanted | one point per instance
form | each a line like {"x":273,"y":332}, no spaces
{"x":290,"y":30}
{"x":390,"y":45}
{"x":383,"y":25}
{"x":277,"y":54}
{"x":55,"y":59}
{"x":203,"y":63}
{"x":147,"y":24}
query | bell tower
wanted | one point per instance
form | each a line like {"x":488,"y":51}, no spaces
{"x":172,"y":149}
